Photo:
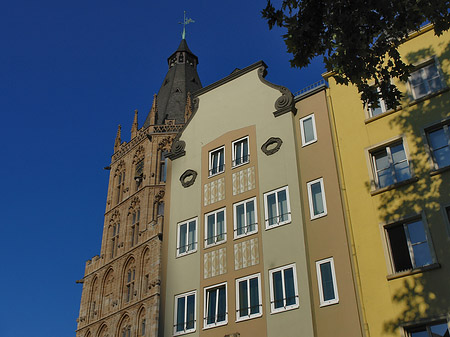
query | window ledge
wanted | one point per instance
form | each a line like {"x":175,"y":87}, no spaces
{"x":424,"y":98}
{"x":381,"y":115}
{"x":393,"y":186}
{"x":440,"y":170}
{"x":413,"y":271}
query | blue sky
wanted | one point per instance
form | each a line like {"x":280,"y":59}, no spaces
{"x":70,"y":72}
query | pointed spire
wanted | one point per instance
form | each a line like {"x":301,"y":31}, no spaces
{"x":188,"y":108}
{"x":152,"y":116}
{"x":118,"y":140}
{"x":134,"y":127}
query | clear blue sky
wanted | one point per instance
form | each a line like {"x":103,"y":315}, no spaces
{"x":70,"y":72}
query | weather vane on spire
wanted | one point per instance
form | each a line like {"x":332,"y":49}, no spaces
{"x":184,"y":23}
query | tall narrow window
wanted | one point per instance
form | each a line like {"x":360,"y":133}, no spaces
{"x":215,"y":306}
{"x":425,"y":80}
{"x":308,"y":130}
{"x":187,"y":237}
{"x":241,"y":153}
{"x":135,"y":227}
{"x":283,"y":288}
{"x":390,"y":165}
{"x":185,"y":318}
{"x":130,"y":285}
{"x":248,"y":297}
{"x":409,"y":247}
{"x":245,"y":218}
{"x":163,"y":167}
{"x":277,"y":208}
{"x":126,"y":331}
{"x":139,"y":174}
{"x":216,"y":161}
{"x":115,"y":239}
{"x":380,"y":107}
{"x":439,"y":142}
{"x":215,"y":227}
{"x":143,"y":327}
{"x":316,"y":197}
{"x":326,"y":277}
{"x":120,"y":186}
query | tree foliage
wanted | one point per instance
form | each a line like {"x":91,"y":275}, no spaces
{"x":358,"y":39}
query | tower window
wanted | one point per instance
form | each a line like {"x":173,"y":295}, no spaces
{"x":163,"y":167}
{"x":139,"y":173}
{"x":135,"y":227}
{"x":130,"y":285}
{"x":115,"y":239}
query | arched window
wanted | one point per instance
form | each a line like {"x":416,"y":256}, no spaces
{"x":141,"y":323}
{"x":107,"y":292}
{"x":163,"y":166}
{"x":93,"y":305}
{"x":129,"y":276}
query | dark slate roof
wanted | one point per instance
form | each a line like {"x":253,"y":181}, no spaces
{"x":180,"y":79}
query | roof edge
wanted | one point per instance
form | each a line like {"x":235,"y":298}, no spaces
{"x":235,"y":74}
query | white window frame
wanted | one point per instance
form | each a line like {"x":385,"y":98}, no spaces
{"x":234,"y":151}
{"x":408,"y":330}
{"x":247,"y":279}
{"x":215,"y":227}
{"x":445,"y":126}
{"x":266,"y":210}
{"x":335,"y":300}
{"x":421,"y":68}
{"x":185,"y":331}
{"x":387,"y":147}
{"x":382,"y":105}
{"x":210,"y":163}
{"x":187,"y":244}
{"x":310,"y":199}
{"x":404,"y":223}
{"x":302,"y":130}
{"x":205,"y":306}
{"x":274,"y":310}
{"x":244,"y":202}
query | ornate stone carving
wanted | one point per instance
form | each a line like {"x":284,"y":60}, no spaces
{"x":165,"y":143}
{"x":271,"y":146}
{"x":159,"y":196}
{"x":177,"y":149}
{"x":188,"y":178}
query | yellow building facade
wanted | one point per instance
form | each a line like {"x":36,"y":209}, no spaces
{"x":394,"y":175}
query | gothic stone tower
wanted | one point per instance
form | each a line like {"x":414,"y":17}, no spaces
{"x":121,"y":286}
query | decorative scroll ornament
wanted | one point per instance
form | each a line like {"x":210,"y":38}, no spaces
{"x":188,"y":178}
{"x":285,"y":103}
{"x":271,"y":146}
{"x":177,"y":150}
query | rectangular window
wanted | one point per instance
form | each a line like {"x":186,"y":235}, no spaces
{"x":408,"y":245}
{"x":283,"y":288}
{"x":425,"y":80}
{"x":316,"y":197}
{"x":215,"y":227}
{"x":378,"y":108}
{"x":215,"y":306}
{"x":163,"y":167}
{"x":277,"y":208}
{"x":216,"y":161}
{"x":429,"y":330}
{"x":326,"y":278}
{"x":245,"y":218}
{"x":308,"y":130}
{"x":241,"y":153}
{"x":248,"y":297}
{"x":439,"y":143}
{"x":185,"y":319}
{"x":187,"y":237}
{"x":390,"y":165}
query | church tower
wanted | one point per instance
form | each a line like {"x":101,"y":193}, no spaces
{"x":121,"y":285}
